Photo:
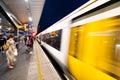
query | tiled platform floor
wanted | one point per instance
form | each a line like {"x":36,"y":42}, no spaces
{"x":35,"y":66}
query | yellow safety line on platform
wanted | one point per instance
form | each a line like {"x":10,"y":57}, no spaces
{"x":38,"y":64}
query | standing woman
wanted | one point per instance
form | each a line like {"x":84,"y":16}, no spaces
{"x":10,"y":52}
{"x":30,"y":41}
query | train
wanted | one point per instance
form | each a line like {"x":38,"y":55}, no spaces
{"x":87,"y":41}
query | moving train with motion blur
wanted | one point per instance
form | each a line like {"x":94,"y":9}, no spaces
{"x":87,"y":41}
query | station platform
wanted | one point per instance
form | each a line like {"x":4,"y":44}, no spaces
{"x":35,"y":66}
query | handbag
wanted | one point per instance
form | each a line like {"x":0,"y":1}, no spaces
{"x":5,"y":47}
{"x":15,"y":52}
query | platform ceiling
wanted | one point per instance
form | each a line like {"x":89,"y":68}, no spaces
{"x":43,"y":12}
{"x":22,"y":10}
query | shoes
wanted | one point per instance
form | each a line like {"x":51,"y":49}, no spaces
{"x":10,"y":67}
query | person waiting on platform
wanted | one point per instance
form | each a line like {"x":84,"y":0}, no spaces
{"x":10,"y":52}
{"x":30,"y":44}
{"x":2,"y":42}
{"x":25,"y":39}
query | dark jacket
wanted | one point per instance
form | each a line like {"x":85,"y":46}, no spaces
{"x":2,"y":41}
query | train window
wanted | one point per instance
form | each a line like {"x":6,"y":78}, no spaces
{"x":53,"y":38}
{"x":112,"y":42}
{"x":102,"y":44}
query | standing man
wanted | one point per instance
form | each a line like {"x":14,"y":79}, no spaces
{"x":25,"y":39}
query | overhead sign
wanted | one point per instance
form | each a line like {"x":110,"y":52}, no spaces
{"x":26,"y":27}
{"x":30,"y":25}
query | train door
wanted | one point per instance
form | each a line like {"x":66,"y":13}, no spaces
{"x":76,"y":46}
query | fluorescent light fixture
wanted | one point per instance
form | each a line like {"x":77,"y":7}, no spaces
{"x":30,"y":19}
{"x":0,"y":26}
{"x":26,"y":0}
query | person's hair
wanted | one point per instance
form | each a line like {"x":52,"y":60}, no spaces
{"x":10,"y":36}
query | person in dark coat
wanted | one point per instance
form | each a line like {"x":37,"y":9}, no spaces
{"x":2,"y":42}
{"x":30,"y":41}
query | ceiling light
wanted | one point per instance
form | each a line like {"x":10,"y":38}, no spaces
{"x":30,"y":19}
{"x":0,"y":26}
{"x":26,"y":0}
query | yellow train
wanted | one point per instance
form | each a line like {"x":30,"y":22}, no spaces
{"x":94,"y":52}
{"x":87,"y":43}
